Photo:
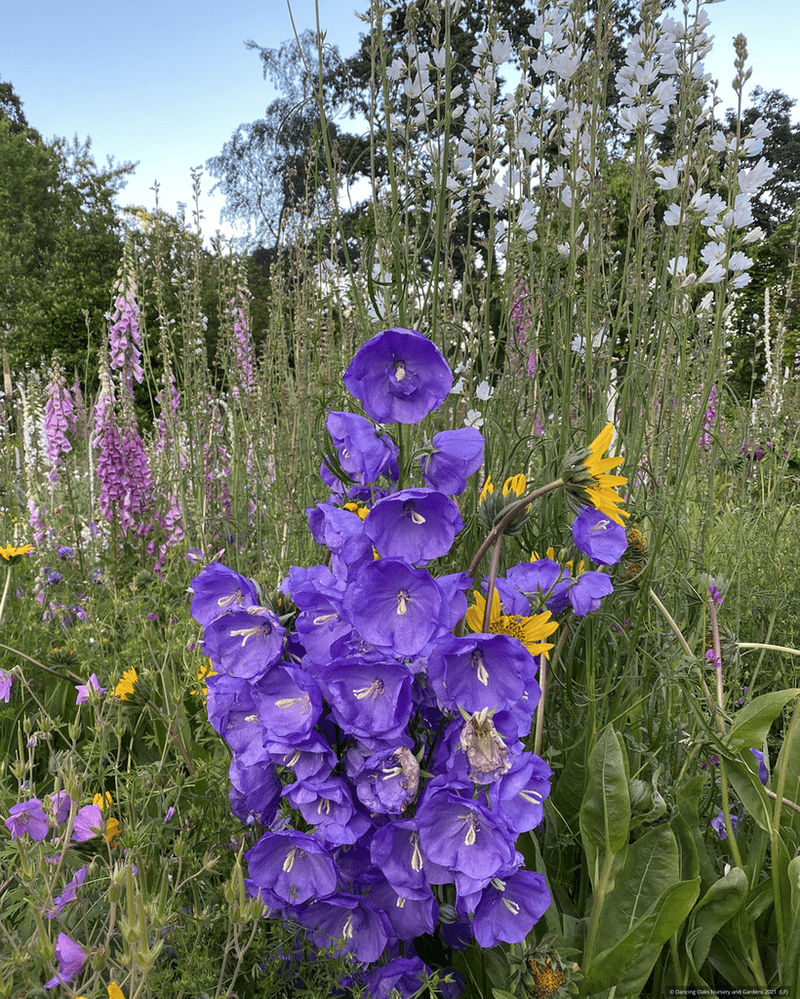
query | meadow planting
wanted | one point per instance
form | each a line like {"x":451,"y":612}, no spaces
{"x":416,"y":615}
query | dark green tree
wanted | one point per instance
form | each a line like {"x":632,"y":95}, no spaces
{"x":60,"y":240}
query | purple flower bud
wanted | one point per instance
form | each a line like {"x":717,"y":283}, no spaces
{"x":718,"y":824}
{"x":763,"y":773}
{"x":457,"y":455}
{"x":362,"y":453}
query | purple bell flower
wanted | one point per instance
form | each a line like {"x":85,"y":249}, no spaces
{"x":328,"y":804}
{"x":388,"y":781}
{"x":255,"y":791}
{"x":464,"y":839}
{"x":399,"y":376}
{"x":363,"y":928}
{"x":369,"y":700}
{"x":288,"y":703}
{"x":397,"y":608}
{"x":483,"y":671}
{"x":342,"y":533}
{"x":763,"y":773}
{"x":244,"y":643}
{"x":542,"y":578}
{"x":518,"y":795}
{"x":218,"y":590}
{"x":291,"y":867}
{"x":408,"y":917}
{"x":417,"y":525}
{"x":362,"y":453}
{"x":6,"y":679}
{"x":403,"y":976}
{"x":587,"y":591}
{"x":457,"y":455}
{"x":396,"y":851}
{"x":600,"y":538}
{"x":509,"y":908}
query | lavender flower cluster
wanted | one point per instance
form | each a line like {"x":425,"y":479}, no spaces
{"x":382,"y":754}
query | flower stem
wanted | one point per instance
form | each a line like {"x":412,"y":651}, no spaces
{"x":499,"y":527}
{"x":5,"y":592}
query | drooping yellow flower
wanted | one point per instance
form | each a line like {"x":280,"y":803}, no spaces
{"x":488,"y":488}
{"x":587,"y":476}
{"x":112,"y":831}
{"x":125,"y":685}
{"x":516,"y":484}
{"x":102,"y":800}
{"x":529,"y":630}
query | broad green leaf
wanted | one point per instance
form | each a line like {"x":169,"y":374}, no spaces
{"x":750,"y":792}
{"x":687,"y":848}
{"x":688,"y":802}
{"x":627,"y":965}
{"x":752,"y":723}
{"x":791,"y":970}
{"x":606,"y":807}
{"x":719,"y":904}
{"x":790,"y":753}
{"x":502,"y":994}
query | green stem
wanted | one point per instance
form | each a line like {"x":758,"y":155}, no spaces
{"x":5,"y":592}
{"x":498,"y":528}
{"x":776,"y":822}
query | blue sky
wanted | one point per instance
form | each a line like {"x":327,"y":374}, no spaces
{"x":167,"y":82}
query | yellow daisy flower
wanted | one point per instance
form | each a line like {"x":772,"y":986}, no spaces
{"x":586,"y":476}
{"x":11,"y":553}
{"x":125,"y":685}
{"x":529,"y":630}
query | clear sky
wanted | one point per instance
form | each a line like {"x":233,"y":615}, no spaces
{"x":166,"y":82}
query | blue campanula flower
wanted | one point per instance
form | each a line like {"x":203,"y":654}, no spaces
{"x":255,"y":791}
{"x":232,"y":714}
{"x":218,"y":590}
{"x":361,"y":928}
{"x":465,"y":839}
{"x":395,"y":849}
{"x":342,"y":533}
{"x":518,"y":794}
{"x":362,"y":453}
{"x":388,"y":781}
{"x":327,"y":804}
{"x":482,"y":671}
{"x":288,"y":703}
{"x":244,"y":642}
{"x":509,"y":908}
{"x":319,"y":595}
{"x":417,"y":525}
{"x":457,"y":454}
{"x":763,"y":772}
{"x":587,"y":591}
{"x":399,"y":376}
{"x":291,"y":867}
{"x":396,"y":607}
{"x":369,"y":700}
{"x":311,"y":757}
{"x":599,"y":537}
{"x":403,"y":976}
{"x":540,"y":578}
{"x":408,"y":917}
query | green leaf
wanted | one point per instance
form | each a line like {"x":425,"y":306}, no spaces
{"x":629,"y":962}
{"x":719,"y":904}
{"x":790,"y":753}
{"x":750,"y":792}
{"x":606,"y":808}
{"x":502,"y":994}
{"x":751,"y":724}
{"x":791,"y":969}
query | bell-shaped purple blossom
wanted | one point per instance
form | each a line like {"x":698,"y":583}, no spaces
{"x":125,"y":339}
{"x":71,"y":958}
{"x":396,"y":607}
{"x":509,"y":908}
{"x":587,"y":591}
{"x":27,"y":818}
{"x":399,"y":376}
{"x":362,"y":453}
{"x":408,"y":917}
{"x":349,"y":921}
{"x":417,"y":525}
{"x":464,"y":838}
{"x":6,"y":680}
{"x":288,"y":703}
{"x":457,"y":455}
{"x":539,"y":579}
{"x":319,"y":596}
{"x":232,"y":714}
{"x":368,"y":700}
{"x":483,"y":671}
{"x":218,"y":590}
{"x":342,"y":533}
{"x":328,"y":804}
{"x":388,"y":781}
{"x":291,"y":867}
{"x":518,"y":794}
{"x":403,"y":976}
{"x":599,"y":537}
{"x":395,"y":849}
{"x":255,"y":791}
{"x":312,"y":757}
{"x":763,"y":772}
{"x":244,"y":643}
